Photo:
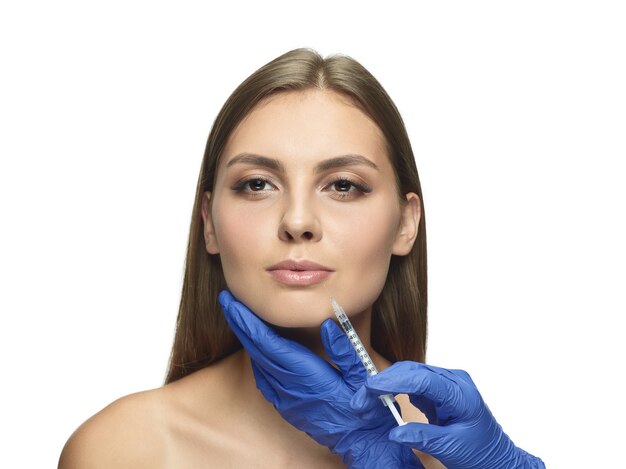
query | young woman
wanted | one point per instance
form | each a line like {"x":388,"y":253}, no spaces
{"x":308,"y":190}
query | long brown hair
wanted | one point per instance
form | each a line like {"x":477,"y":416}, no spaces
{"x":399,"y":314}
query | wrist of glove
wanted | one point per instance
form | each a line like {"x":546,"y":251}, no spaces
{"x":461,"y":433}
{"x":315,"y":397}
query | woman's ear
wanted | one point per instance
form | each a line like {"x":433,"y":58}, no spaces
{"x":210,"y":239}
{"x":410,"y":216}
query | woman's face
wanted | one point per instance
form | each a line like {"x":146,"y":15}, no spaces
{"x":305,"y":208}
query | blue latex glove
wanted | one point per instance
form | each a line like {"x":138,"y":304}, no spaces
{"x":462,"y":433}
{"x":315,"y":397}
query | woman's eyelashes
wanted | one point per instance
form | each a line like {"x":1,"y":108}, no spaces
{"x":343,"y":188}
{"x":253,"y":185}
{"x":340,"y":187}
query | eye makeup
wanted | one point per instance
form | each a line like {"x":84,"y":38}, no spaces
{"x":253,"y":187}
{"x":253,"y":184}
{"x":340,"y":187}
{"x":343,"y":187}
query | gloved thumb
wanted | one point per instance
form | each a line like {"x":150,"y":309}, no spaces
{"x":340,"y":351}
{"x":431,"y":439}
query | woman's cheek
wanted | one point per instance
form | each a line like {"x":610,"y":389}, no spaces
{"x":236,"y":239}
{"x":237,"y":224}
{"x":371,"y":227}
{"x":366,"y":244}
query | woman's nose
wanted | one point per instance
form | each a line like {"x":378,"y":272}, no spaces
{"x":299,"y":222}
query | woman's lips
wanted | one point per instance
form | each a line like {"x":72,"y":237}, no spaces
{"x":299,"y":273}
{"x":299,"y":277}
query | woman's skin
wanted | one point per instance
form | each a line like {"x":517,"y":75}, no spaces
{"x":305,"y":177}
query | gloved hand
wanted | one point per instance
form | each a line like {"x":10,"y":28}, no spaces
{"x":315,"y":397}
{"x":462,"y":433}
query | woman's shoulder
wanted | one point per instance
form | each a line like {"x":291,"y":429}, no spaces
{"x":156,"y":428}
{"x":130,"y":432}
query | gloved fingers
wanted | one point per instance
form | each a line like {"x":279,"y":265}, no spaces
{"x":410,"y":378}
{"x":431,"y":439}
{"x":246,"y":326}
{"x":368,"y":406}
{"x":426,"y":406}
{"x":439,"y":385}
{"x":364,"y":402}
{"x":464,"y":375}
{"x":294,"y":401}
{"x":292,"y":364}
{"x":340,"y":351}
{"x":264,"y":345}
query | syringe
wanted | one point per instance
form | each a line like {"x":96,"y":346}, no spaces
{"x":346,"y":325}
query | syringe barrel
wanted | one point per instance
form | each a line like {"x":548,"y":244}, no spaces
{"x":387,"y":399}
{"x":346,"y":325}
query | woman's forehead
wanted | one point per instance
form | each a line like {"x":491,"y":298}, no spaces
{"x":312,"y":124}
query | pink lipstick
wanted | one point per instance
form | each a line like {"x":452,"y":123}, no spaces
{"x":299,"y":273}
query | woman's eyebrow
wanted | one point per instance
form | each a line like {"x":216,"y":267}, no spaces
{"x":344,"y":160}
{"x":257,"y":160}
{"x":276,"y":165}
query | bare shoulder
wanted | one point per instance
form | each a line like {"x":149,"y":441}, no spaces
{"x":130,"y":432}
{"x":167,"y":427}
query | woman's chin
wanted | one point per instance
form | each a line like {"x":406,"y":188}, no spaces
{"x":295,"y":317}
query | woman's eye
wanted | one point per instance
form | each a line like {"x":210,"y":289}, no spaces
{"x":344,"y":188}
{"x":256,"y":184}
{"x":253,"y":185}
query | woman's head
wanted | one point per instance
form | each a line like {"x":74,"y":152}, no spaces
{"x":307,"y":162}
{"x":304,"y":207}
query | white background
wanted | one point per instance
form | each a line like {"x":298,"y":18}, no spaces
{"x":517,"y":115}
